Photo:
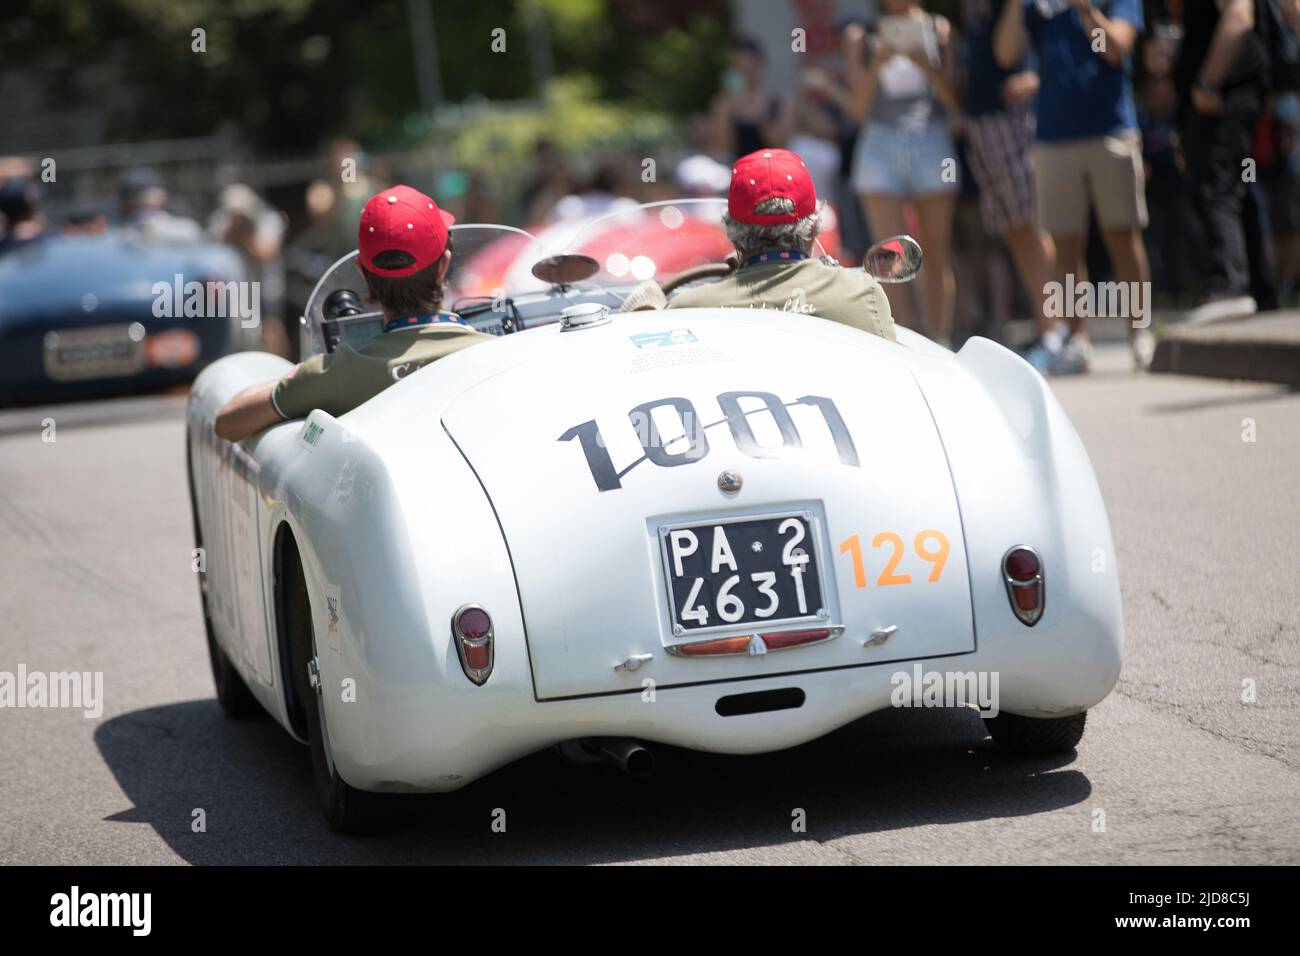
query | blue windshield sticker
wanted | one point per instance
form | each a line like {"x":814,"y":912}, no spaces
{"x":662,"y":340}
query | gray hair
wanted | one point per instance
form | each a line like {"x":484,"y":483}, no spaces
{"x":751,"y":239}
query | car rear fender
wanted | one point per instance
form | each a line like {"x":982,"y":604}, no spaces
{"x":396,"y":534}
{"x":1022,"y":476}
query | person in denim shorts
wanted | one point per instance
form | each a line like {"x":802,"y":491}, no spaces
{"x":905,"y":153}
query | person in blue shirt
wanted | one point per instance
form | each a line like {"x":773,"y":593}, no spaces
{"x":1087,"y":151}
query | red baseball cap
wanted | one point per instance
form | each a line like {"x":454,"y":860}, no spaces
{"x":768,"y":174}
{"x":405,"y":220}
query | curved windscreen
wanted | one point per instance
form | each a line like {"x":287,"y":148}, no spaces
{"x":487,"y":262}
{"x":492,"y":264}
{"x":655,"y":240}
{"x":658,"y":240}
{"x":490,"y":261}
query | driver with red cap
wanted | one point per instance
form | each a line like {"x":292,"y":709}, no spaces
{"x":404,"y":251}
{"x":772,"y":218}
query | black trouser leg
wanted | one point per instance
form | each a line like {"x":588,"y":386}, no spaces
{"x":1259,"y":246}
{"x":1214,"y":147}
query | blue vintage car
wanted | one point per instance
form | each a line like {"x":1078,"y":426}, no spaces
{"x":97,"y":315}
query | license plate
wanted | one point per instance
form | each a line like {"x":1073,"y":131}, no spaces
{"x":743,"y":572}
{"x":102,"y":351}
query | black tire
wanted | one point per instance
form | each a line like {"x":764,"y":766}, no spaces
{"x":347,"y":809}
{"x":1036,"y":735}
{"x":232,"y":693}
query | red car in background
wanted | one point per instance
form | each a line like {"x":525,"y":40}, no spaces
{"x":630,"y":243}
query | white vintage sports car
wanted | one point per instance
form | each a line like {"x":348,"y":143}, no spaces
{"x":727,"y":530}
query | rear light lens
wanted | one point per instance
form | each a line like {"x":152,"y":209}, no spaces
{"x":1022,"y":564}
{"x":754,"y":644}
{"x":1026,"y":598}
{"x":1022,"y":571}
{"x":724,"y":645}
{"x":782,"y":639}
{"x":471,"y":629}
{"x":473,"y":623}
{"x":477,"y":657}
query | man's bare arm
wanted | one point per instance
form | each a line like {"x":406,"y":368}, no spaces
{"x":1120,"y":35}
{"x":1236,"y":20}
{"x":1010,"y":38}
{"x":863,"y":74}
{"x":247,"y":413}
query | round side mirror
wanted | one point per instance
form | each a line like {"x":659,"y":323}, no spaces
{"x":566,"y":268}
{"x":896,"y":259}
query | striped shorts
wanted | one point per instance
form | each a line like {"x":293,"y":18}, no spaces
{"x":998,"y":150}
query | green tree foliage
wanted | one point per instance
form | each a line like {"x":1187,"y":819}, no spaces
{"x":571,"y":114}
{"x":289,"y":74}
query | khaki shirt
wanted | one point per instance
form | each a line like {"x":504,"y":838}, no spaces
{"x":809,"y":286}
{"x":342,"y":380}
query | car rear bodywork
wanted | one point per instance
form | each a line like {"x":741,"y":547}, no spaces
{"x":589,"y":562}
{"x":535,"y":476}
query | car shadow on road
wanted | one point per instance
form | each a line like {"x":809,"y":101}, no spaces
{"x":888,"y":771}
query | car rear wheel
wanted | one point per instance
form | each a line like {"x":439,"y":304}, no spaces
{"x":1036,"y":735}
{"x":346,"y":808}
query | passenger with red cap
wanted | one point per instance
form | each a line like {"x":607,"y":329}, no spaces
{"x":772,"y":218}
{"x":404,"y":251}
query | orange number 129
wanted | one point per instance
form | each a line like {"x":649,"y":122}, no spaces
{"x":936,"y":556}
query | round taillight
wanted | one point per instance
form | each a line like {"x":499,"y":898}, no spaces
{"x":473,"y":623}
{"x":1021,"y":564}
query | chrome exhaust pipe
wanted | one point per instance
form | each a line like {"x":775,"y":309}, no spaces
{"x":628,"y":755}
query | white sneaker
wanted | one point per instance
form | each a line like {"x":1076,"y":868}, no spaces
{"x":1075,"y":358}
{"x":1217,"y":310}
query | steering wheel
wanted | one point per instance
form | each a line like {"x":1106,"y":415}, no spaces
{"x":710,"y":270}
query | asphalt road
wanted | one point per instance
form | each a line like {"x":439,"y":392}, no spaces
{"x":1175,"y":767}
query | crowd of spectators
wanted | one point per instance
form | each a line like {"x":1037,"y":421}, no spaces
{"x":1097,"y":146}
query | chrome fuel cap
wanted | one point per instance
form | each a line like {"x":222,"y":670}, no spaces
{"x":585,"y":315}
